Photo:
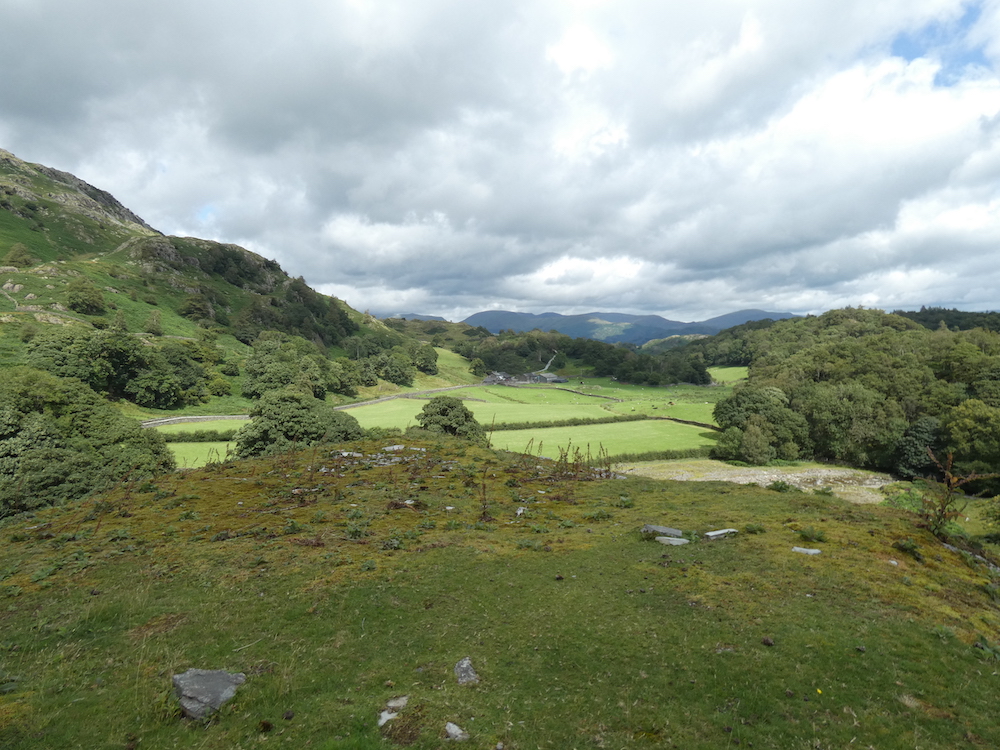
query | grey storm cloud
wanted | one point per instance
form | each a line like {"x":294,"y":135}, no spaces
{"x":447,"y":156}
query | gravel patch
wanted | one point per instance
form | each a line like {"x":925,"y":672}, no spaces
{"x":854,"y":485}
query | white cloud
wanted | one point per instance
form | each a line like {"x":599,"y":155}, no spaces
{"x":683,"y":159}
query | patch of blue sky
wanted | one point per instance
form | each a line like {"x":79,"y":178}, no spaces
{"x":946,"y":41}
{"x":206,"y":214}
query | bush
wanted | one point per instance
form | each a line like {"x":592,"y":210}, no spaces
{"x":286,"y":419}
{"x":60,"y":441}
{"x":449,"y":415}
{"x":83,"y":297}
{"x":19,"y":256}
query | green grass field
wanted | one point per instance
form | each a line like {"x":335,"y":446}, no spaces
{"x":615,"y":439}
{"x":195,"y":455}
{"x":334,"y":597}
{"x":213,"y":424}
{"x":728,"y":374}
{"x":598,"y":398}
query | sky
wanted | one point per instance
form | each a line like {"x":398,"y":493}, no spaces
{"x":450,"y":156}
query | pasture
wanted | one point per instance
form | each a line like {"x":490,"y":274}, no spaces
{"x":596,"y":398}
{"x":613,"y":439}
{"x":196,"y":455}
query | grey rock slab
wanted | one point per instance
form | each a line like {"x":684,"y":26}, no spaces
{"x":455,"y":732}
{"x":385,"y":717}
{"x":202,"y":692}
{"x":465,"y":673}
{"x":399,"y":703}
{"x":806,"y":550}
{"x":651,"y":530}
{"x":672,"y":540}
{"x":720,"y":533}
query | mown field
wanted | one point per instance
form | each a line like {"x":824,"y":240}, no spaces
{"x":582,"y":399}
{"x":613,"y":440}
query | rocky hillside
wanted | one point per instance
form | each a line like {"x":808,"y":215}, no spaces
{"x":71,"y":253}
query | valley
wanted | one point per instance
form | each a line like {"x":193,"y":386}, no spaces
{"x":360,"y":548}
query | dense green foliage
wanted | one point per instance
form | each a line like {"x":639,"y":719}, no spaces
{"x":864,"y":388}
{"x":278,"y":360}
{"x":956,"y":320}
{"x":286,"y":419}
{"x":60,"y":441}
{"x":447,"y":414}
{"x":517,"y":353}
{"x":122,"y":366}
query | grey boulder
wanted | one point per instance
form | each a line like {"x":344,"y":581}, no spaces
{"x":202,"y":692}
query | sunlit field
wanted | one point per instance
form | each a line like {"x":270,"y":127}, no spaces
{"x":195,"y":455}
{"x":596,"y":398}
{"x":614,"y":439}
{"x":214,"y":424}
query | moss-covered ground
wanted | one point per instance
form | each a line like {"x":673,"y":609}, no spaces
{"x":337,"y":582}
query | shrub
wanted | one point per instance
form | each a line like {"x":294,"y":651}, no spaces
{"x":449,"y":415}
{"x":83,"y":297}
{"x":282,"y":420}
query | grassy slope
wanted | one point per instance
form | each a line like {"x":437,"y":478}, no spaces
{"x":333,"y":600}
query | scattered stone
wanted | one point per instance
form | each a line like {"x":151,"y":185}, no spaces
{"x":202,"y":692}
{"x":31,"y":296}
{"x":385,"y":717}
{"x":767,"y":641}
{"x":649,"y":531}
{"x":894,"y":562}
{"x":520,"y":511}
{"x":398,"y":704}
{"x":465,"y":673}
{"x":455,"y":732}
{"x":860,"y":649}
{"x":10,"y":286}
{"x":672,"y":540}
{"x":719,"y":534}
{"x":806,"y":551}
{"x":394,"y":447}
{"x":288,"y":715}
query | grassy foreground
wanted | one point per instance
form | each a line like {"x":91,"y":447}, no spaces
{"x":337,"y":583}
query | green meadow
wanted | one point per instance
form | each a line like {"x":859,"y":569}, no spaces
{"x":646,"y":436}
{"x":195,"y":455}
{"x":596,"y":398}
{"x":333,"y":595}
{"x":213,"y":424}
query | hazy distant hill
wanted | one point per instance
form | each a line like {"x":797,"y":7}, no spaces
{"x":409,"y":316}
{"x":614,"y":327}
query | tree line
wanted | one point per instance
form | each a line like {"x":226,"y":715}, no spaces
{"x":861,"y":387}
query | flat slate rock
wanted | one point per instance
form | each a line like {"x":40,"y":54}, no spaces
{"x":672,"y":540}
{"x":651,"y":530}
{"x":720,"y":533}
{"x":806,"y":551}
{"x":202,"y":692}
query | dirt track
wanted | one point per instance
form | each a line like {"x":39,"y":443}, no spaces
{"x":854,"y":485}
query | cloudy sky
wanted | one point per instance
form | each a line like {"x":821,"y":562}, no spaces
{"x":449,"y":156}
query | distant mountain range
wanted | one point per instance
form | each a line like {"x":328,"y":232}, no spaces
{"x":615,"y":327}
{"x":603,"y":326}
